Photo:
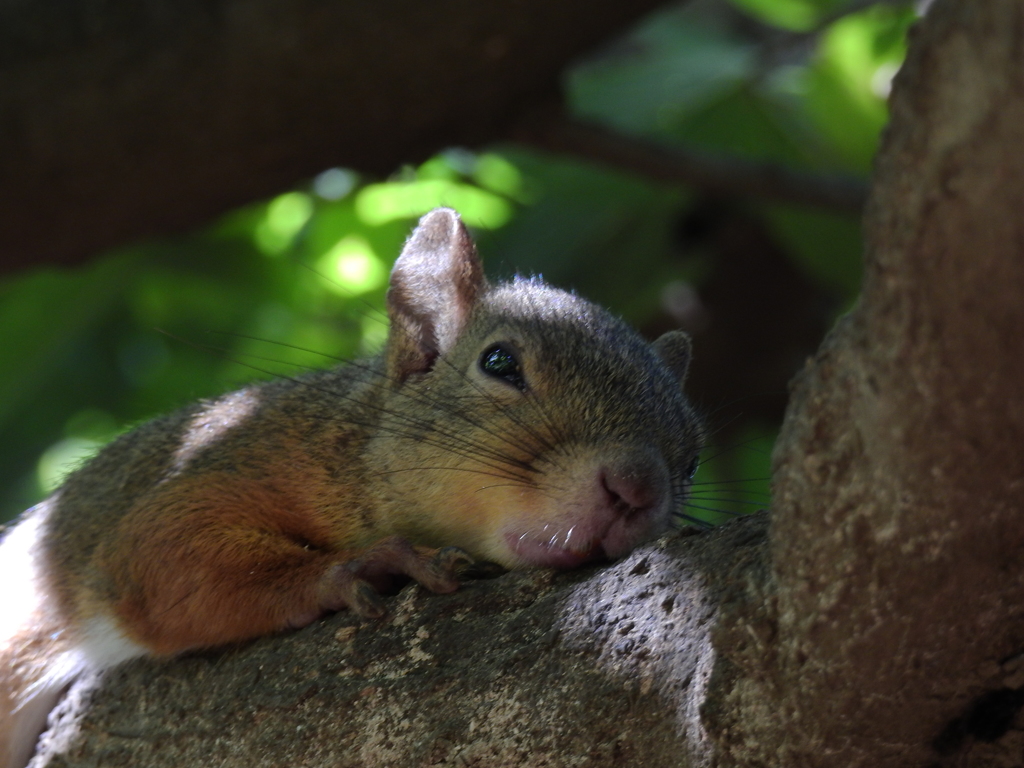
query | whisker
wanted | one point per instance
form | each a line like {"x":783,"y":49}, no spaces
{"x":374,"y":311}
{"x":734,"y":446}
{"x":416,"y":398}
{"x":728,"y":501}
{"x":696,"y":521}
{"x":455,"y":447}
{"x":724,"y":482}
{"x":722,"y":427}
{"x":714,"y":509}
{"x":528,"y":429}
{"x":520,"y":484}
{"x":498,"y":475}
{"x":437,"y":430}
{"x":512,"y":485}
{"x":284,"y":344}
{"x":729,"y":403}
{"x":443,"y":406}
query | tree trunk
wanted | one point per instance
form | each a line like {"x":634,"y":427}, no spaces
{"x":874,"y":619}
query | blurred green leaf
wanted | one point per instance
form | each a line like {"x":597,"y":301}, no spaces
{"x":796,"y":15}
{"x":716,"y":496}
{"x":673,"y":63}
{"x":298,"y":281}
{"x":741,"y":121}
{"x":285,"y":216}
{"x":848,"y":83}
{"x":44,"y":312}
{"x":825,"y":246}
{"x":381,"y":203}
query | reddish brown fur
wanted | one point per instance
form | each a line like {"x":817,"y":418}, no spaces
{"x":216,"y":560}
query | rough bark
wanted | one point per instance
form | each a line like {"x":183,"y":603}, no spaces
{"x":119,"y":120}
{"x":605,"y":667}
{"x":876,"y":622}
{"x":896,"y":532}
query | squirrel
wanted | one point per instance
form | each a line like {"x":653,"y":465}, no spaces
{"x":516,"y":423}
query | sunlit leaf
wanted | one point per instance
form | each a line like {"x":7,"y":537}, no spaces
{"x":440,"y":167}
{"x":847,"y":85}
{"x":285,"y":216}
{"x":353,"y":266}
{"x":797,"y":15}
{"x":497,"y":174}
{"x":382,"y":203}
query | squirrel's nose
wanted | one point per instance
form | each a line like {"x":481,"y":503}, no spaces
{"x":633,"y":486}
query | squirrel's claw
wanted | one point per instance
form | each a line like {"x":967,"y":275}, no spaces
{"x":356,"y":584}
{"x":344,"y":589}
{"x":366,"y":601}
{"x":453,"y":560}
{"x":481,"y":569}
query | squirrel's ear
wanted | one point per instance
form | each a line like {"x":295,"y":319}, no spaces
{"x":435,"y":284}
{"x":675,"y":350}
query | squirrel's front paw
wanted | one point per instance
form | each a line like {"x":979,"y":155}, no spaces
{"x":356,"y":584}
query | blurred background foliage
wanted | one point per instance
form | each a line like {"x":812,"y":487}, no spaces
{"x":298,"y":281}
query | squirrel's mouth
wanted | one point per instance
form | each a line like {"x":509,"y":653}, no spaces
{"x":559,"y":550}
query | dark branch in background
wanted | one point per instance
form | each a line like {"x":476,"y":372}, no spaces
{"x":124,"y":121}
{"x":727,"y":176}
{"x":120,"y":121}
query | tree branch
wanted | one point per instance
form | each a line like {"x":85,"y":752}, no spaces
{"x":897,"y":524}
{"x":529,"y":669}
{"x":720,"y":175}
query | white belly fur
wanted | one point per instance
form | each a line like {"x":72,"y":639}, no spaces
{"x":39,"y":654}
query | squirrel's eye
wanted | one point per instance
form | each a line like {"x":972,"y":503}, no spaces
{"x":501,"y":362}
{"x":693,"y":466}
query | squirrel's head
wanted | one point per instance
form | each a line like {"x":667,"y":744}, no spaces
{"x":523,"y":423}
